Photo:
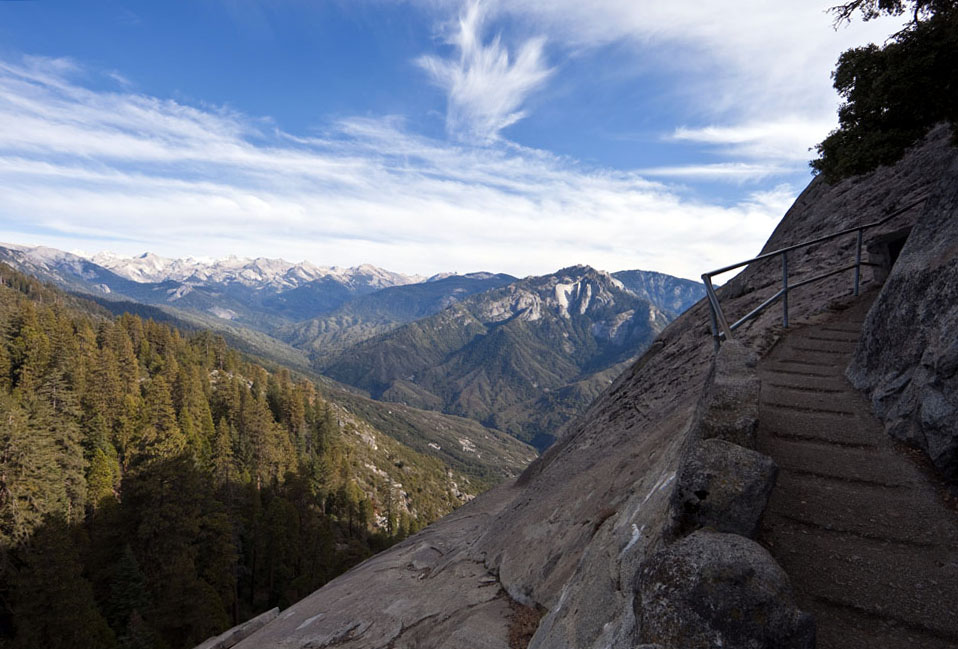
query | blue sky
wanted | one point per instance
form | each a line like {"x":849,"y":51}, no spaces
{"x":421,"y":136}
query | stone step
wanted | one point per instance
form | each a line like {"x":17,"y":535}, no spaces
{"x":808,"y":372}
{"x":843,"y":627}
{"x":839,"y":340}
{"x":914,"y":586}
{"x":834,"y":401}
{"x":800,"y":356}
{"x":829,"y":461}
{"x":807,"y":363}
{"x":812,"y":349}
{"x":903,"y":515}
{"x":842,"y":328}
{"x":822,"y":427}
{"x":828,"y":344}
{"x":813,"y":384}
{"x":815,"y":407}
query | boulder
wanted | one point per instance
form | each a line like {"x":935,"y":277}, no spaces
{"x":718,"y":590}
{"x":725,"y":487}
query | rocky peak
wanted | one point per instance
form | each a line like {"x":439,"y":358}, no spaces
{"x":575,"y":290}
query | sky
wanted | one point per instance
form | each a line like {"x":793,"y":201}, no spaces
{"x":422,"y":136}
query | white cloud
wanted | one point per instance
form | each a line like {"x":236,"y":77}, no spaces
{"x":779,"y":141}
{"x":118,"y":170}
{"x":732,"y":171}
{"x":485,"y":86}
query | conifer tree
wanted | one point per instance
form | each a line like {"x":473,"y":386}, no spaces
{"x":103,"y":477}
{"x":5,"y":380}
{"x":222,"y":453}
{"x":159,"y":435}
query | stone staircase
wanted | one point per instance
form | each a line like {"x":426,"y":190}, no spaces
{"x":861,"y":527}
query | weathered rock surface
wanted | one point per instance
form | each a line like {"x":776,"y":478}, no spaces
{"x":240,"y":632}
{"x":718,"y":590}
{"x":570,"y":535}
{"x":725,"y":487}
{"x":907,"y":360}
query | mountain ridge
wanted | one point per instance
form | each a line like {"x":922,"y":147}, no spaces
{"x":494,"y":355}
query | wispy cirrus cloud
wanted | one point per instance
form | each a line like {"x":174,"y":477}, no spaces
{"x":740,"y":172}
{"x":129,"y":172}
{"x":485,"y":86}
{"x":775,"y":143}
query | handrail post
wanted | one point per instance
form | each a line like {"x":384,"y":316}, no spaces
{"x":715,"y":333}
{"x":785,"y":290}
{"x":720,"y":321}
{"x":858,"y":262}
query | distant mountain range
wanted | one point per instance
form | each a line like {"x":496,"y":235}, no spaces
{"x":521,"y":358}
{"x":275,"y":274}
{"x":260,"y":293}
{"x":518,"y":355}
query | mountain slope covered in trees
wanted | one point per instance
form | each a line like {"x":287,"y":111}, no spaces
{"x":156,"y":488}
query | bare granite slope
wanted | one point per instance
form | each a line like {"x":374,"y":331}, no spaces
{"x":569,"y":537}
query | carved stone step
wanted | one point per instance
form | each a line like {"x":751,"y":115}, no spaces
{"x":916,"y":586}
{"x":903,"y":514}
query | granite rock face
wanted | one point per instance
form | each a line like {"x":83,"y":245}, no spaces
{"x":907,"y":360}
{"x":718,"y":590}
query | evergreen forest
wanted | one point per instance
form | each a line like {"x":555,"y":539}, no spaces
{"x":157,"y":489}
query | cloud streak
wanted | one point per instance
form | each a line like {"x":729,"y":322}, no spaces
{"x":485,"y":86}
{"x":129,"y":172}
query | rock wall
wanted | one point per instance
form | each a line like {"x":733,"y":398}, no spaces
{"x":907,"y":360}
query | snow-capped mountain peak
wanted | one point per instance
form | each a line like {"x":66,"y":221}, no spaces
{"x":261,"y":272}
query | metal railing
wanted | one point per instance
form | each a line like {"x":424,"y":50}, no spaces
{"x":720,"y":326}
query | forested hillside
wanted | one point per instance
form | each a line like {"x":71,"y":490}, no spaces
{"x":156,"y":489}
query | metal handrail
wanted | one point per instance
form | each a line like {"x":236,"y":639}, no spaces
{"x":720,"y":326}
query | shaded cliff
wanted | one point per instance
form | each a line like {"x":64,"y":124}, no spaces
{"x":907,"y":361}
{"x":567,"y":540}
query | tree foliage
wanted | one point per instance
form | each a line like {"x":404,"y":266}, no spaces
{"x":893,"y":94}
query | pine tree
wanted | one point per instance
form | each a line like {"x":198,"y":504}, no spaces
{"x":103,"y":477}
{"x":222,"y":454}
{"x":5,"y":367}
{"x":159,"y":435}
{"x":169,"y":506}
